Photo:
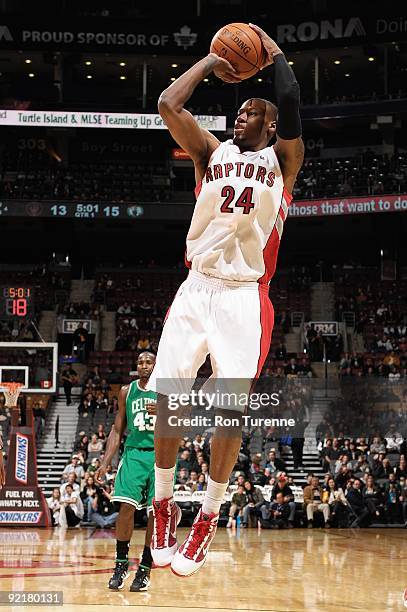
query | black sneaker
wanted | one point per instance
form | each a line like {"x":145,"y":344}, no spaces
{"x":120,"y":574}
{"x":141,"y":580}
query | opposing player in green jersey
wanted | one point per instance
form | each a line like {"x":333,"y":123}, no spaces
{"x":134,"y":484}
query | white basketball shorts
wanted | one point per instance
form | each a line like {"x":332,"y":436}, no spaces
{"x":231,"y":321}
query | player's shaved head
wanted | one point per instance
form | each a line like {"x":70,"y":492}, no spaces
{"x":270,"y":110}
{"x":146,"y":354}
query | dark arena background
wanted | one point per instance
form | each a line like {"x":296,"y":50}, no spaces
{"x":95,"y":204}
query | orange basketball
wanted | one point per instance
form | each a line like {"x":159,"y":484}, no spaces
{"x":240,"y":46}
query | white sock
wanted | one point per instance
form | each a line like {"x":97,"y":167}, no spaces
{"x":164,"y":482}
{"x":214,"y":496}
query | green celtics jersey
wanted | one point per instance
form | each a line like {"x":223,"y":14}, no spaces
{"x":140,"y":424}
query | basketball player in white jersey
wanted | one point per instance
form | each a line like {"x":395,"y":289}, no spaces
{"x":223,"y":309}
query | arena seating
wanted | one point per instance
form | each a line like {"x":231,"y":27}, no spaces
{"x":37,"y":175}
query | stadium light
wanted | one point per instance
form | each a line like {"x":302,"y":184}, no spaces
{"x":88,"y":63}
{"x":123,"y":77}
{"x":28,"y":61}
{"x":337,"y":62}
{"x":174,"y":65}
{"x":31,"y":75}
{"x":122,"y":63}
{"x":291,"y":63}
{"x":89,"y":76}
{"x":371,"y":58}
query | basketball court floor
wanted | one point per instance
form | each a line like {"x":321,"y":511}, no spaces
{"x":280,"y":571}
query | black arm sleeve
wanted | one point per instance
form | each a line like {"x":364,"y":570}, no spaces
{"x":288,"y":99}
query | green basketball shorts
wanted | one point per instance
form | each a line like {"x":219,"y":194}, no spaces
{"x":135,"y":480}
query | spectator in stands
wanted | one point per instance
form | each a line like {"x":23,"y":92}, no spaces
{"x":274,"y":463}
{"x":279,"y":512}
{"x":100,"y":509}
{"x":355,"y":499}
{"x":394,"y":439}
{"x":392,"y":495}
{"x":88,"y":492}
{"x":239,"y":501}
{"x":336,"y":500}
{"x":281,"y":352}
{"x":72,"y":482}
{"x":377,"y":446}
{"x":304,"y":368}
{"x":331,"y":452}
{"x":192,"y":480}
{"x":378,"y":470}
{"x":82,"y":445}
{"x":80,"y":339}
{"x":401,"y":469}
{"x":101,"y":434}
{"x":54,"y":505}
{"x":403,"y":498}
{"x":113,"y":406}
{"x":200,"y":484}
{"x":69,"y":378}
{"x":71,"y":508}
{"x":95,"y":464}
{"x":39,"y":420}
{"x":182,"y":476}
{"x":74,"y":466}
{"x":283,"y":487}
{"x":301,"y":418}
{"x":205,"y":470}
{"x":291,"y":369}
{"x":184,"y":460}
{"x":362,"y":466}
{"x":313,"y":502}
{"x":95,"y":447}
{"x":255,"y":500}
{"x":373,"y":497}
{"x":143,"y":343}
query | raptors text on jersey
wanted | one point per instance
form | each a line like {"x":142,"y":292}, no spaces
{"x":239,"y":215}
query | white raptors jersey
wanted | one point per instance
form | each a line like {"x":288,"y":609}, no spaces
{"x":239,"y":215}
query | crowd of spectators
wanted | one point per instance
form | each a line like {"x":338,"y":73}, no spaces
{"x":80,"y":498}
{"x":367,"y":475}
{"x":320,"y":346}
{"x":80,"y":310}
{"x":38,"y":176}
{"x":366,"y":174}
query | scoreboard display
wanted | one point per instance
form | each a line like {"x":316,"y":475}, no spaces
{"x":16,"y":301}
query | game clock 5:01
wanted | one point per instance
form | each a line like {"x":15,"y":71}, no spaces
{"x":16,"y":301}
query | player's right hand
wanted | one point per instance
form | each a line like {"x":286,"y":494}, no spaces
{"x":224,"y":70}
{"x":100,"y":473}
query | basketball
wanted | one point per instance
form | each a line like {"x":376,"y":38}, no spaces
{"x":241,"y":46}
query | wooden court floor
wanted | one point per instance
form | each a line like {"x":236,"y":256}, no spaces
{"x":319,"y":571}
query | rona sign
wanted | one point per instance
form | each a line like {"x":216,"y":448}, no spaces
{"x":323,"y":30}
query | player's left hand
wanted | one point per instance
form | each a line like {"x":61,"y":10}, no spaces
{"x":270,"y":46}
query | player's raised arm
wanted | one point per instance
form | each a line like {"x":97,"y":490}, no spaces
{"x":289,"y":146}
{"x":115,"y":436}
{"x":197,"y":142}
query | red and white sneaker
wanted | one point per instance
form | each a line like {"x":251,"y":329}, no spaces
{"x":191,"y":555}
{"x":164,"y":543}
